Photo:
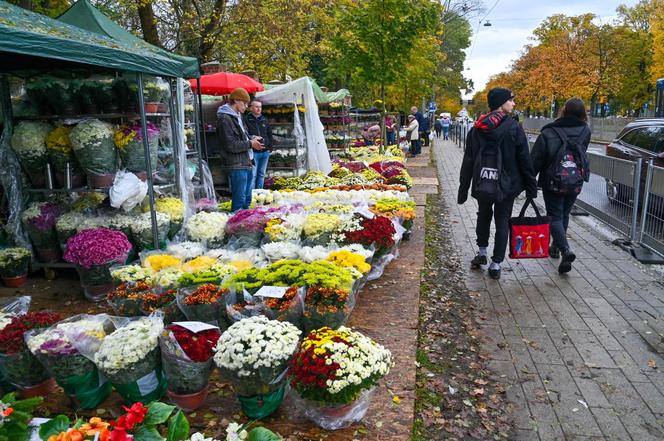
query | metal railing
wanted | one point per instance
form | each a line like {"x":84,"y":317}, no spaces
{"x":603,"y":129}
{"x":651,"y":232}
{"x":458,"y":134}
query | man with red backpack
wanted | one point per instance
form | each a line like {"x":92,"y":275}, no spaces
{"x":497,"y":163}
{"x":559,"y":157}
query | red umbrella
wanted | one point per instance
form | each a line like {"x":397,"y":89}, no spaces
{"x":223,"y":83}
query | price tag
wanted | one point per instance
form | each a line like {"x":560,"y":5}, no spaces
{"x":196,"y":327}
{"x":276,"y":292}
{"x":364,"y":211}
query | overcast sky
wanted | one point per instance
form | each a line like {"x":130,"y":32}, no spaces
{"x":513,"y":21}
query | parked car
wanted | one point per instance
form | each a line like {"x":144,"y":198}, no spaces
{"x":643,"y":138}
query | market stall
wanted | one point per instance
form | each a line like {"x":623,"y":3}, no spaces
{"x":75,"y":106}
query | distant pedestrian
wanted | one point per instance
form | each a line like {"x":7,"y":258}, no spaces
{"x":420,"y":120}
{"x":425,"y":130}
{"x":413,"y":135}
{"x":497,"y":162}
{"x":390,"y":129}
{"x":438,"y":127}
{"x":258,"y":126}
{"x":445,"y":122}
{"x":559,"y":157}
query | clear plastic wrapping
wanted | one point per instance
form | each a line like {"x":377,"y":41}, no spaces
{"x":241,"y":305}
{"x":333,"y":416}
{"x":213,"y":311}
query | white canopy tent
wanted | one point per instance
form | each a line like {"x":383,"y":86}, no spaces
{"x":300,"y":91}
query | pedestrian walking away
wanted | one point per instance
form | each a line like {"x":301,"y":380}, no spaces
{"x":559,"y":158}
{"x":445,"y":122}
{"x":438,"y":127}
{"x":497,"y":164}
{"x":237,"y":149}
{"x":412,"y":135}
{"x":258,"y":125}
{"x":425,"y":129}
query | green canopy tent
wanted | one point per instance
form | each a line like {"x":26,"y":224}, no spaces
{"x":31,"y":41}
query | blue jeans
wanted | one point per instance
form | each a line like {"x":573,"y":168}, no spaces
{"x":391,"y":138}
{"x":558,"y":208}
{"x":241,"y":186}
{"x":258,"y":175}
{"x":446,"y":132}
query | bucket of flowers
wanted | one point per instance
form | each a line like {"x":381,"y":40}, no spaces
{"x":207,"y":227}
{"x":204,"y":303}
{"x":21,"y":368}
{"x":334,"y":374}
{"x":67,"y":349}
{"x":130,"y":359}
{"x":288,"y":308}
{"x":245,"y":228}
{"x":253,"y":356}
{"x":9,"y":308}
{"x":14,"y":265}
{"x":319,"y":228}
{"x":29,"y":144}
{"x":198,"y":273}
{"x":241,"y":305}
{"x":164,"y":302}
{"x":186,"y":354}
{"x":141,"y":230}
{"x":377,"y":231}
{"x":60,"y":153}
{"x":130,"y":274}
{"x":174,"y":208}
{"x":129,"y":141}
{"x":95,"y":251}
{"x":92,"y":141}
{"x":127,"y":298}
{"x":39,"y":220}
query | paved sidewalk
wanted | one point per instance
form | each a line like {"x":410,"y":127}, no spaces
{"x":582,"y":352}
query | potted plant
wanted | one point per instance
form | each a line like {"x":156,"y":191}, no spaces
{"x":94,"y":251}
{"x":15,"y":416}
{"x":127,"y":298}
{"x":204,"y":303}
{"x":333,"y":374}
{"x":253,"y":356}
{"x":14,"y":263}
{"x":154,"y":94}
{"x":186,"y":354}
{"x":39,"y":221}
{"x":21,"y":368}
{"x":92,"y":142}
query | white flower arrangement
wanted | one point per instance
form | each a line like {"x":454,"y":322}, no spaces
{"x":29,"y":140}
{"x":69,"y":221}
{"x":90,"y":134}
{"x":256,"y":344}
{"x":280,"y":250}
{"x":168,"y":277}
{"x":90,"y":330}
{"x":5,"y":319}
{"x":132,"y":274}
{"x":309,"y":254}
{"x":129,"y":344}
{"x":236,"y":432}
{"x":142,"y":224}
{"x":290,"y":227}
{"x":254,"y":255}
{"x":198,"y":436}
{"x":186,"y":250}
{"x":206,"y":226}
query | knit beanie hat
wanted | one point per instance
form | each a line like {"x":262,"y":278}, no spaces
{"x":498,"y":96}
{"x":239,"y":94}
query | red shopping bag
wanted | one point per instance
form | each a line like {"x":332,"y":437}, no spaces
{"x":529,"y":236}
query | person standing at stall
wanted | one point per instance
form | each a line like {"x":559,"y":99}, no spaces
{"x":390,"y":130}
{"x":258,"y":125}
{"x":413,"y":135}
{"x":237,"y":148}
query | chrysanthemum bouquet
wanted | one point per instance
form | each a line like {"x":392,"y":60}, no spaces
{"x":207,"y":227}
{"x":129,"y":141}
{"x":204,"y":303}
{"x":174,"y":208}
{"x":29,"y":144}
{"x":14,"y":262}
{"x":127,"y":298}
{"x":253,"y":355}
{"x":39,"y":220}
{"x":130,"y":358}
{"x":319,"y":228}
{"x":378,"y":232}
{"x":92,"y":141}
{"x":141,"y":230}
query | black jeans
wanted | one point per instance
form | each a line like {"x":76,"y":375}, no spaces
{"x":558,"y":208}
{"x":501,"y":213}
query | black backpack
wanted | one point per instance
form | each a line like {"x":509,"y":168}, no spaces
{"x":570,"y":167}
{"x":490,"y":183}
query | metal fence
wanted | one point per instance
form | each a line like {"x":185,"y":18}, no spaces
{"x":652,"y":215}
{"x":603,"y":129}
{"x":458,"y":133}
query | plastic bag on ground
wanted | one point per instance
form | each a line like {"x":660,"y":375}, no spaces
{"x":127,"y":191}
{"x":333,"y":416}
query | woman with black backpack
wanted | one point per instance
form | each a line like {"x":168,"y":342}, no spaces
{"x":559,"y":157}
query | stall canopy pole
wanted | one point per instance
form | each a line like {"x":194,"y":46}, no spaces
{"x":176,"y":129}
{"x":200,"y":130}
{"x":148,"y":165}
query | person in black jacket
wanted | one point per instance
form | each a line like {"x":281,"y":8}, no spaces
{"x":237,"y":149}
{"x":257,"y":125}
{"x":496,"y":130}
{"x":573,"y":125}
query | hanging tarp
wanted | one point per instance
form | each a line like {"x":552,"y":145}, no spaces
{"x":337,"y":96}
{"x":84,"y":15}
{"x":301,"y":91}
{"x":23,"y":32}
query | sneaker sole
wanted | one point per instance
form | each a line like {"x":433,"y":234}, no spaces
{"x":495,"y":276}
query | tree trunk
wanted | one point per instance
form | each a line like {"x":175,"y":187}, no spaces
{"x":148,"y":22}
{"x":207,"y":40}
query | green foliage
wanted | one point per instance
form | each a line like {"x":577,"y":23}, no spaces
{"x":178,"y":427}
{"x":158,"y":413}
{"x":54,"y":426}
{"x":15,"y":426}
{"x":262,"y":434}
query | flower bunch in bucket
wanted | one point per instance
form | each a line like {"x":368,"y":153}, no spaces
{"x":39,"y":221}
{"x":204,"y":303}
{"x":92,"y":142}
{"x":29,"y":144}
{"x":253,"y":355}
{"x":129,"y":141}
{"x":14,"y":264}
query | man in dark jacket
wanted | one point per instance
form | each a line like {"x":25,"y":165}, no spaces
{"x":571,"y":125}
{"x":496,"y":135}
{"x":420,"y":121}
{"x":258,"y":125}
{"x":237,"y":149}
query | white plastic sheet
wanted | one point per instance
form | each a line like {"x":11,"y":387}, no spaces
{"x":318,"y":157}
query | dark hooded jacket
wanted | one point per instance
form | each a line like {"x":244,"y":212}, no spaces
{"x":549,"y":143}
{"x":497,"y":127}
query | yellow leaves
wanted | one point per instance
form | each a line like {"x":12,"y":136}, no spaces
{"x":396,"y":399}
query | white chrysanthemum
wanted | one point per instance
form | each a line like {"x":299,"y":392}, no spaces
{"x":129,"y":344}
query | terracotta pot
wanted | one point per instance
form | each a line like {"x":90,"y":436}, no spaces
{"x":39,"y":390}
{"x":162,"y":108}
{"x":101,"y":181}
{"x":15,"y":282}
{"x":188,"y":402}
{"x":151,"y":107}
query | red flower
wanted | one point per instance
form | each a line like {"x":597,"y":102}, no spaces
{"x":197,"y":346}
{"x":135,"y":415}
{"x":11,"y":337}
{"x":119,"y":435}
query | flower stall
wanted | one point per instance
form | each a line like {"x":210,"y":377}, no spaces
{"x":110,"y":123}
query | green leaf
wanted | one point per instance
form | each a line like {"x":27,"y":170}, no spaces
{"x":53,"y":427}
{"x":143,"y":433}
{"x":262,"y":434}
{"x":178,"y":427}
{"x":158,"y":413}
{"x":28,"y":405}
